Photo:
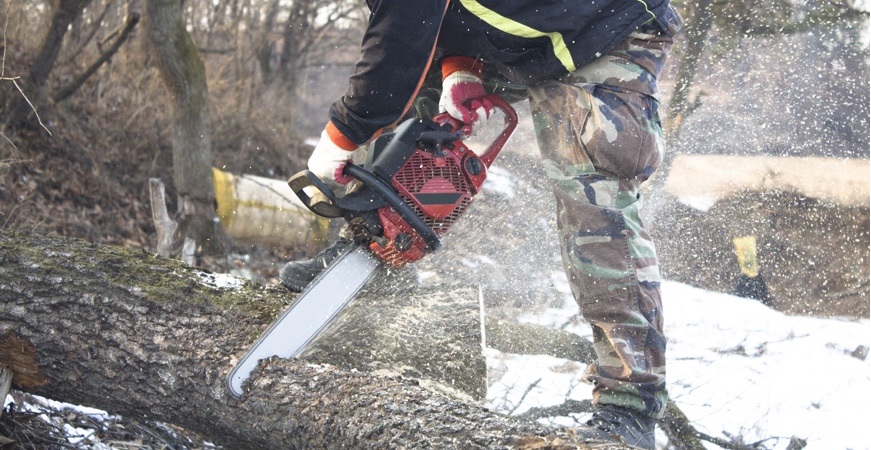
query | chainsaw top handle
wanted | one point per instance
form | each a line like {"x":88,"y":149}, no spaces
{"x":466,"y":129}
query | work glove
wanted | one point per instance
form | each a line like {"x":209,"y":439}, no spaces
{"x":329,"y":158}
{"x":463,"y":91}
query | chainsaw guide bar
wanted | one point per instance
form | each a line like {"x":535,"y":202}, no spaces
{"x":312,"y":311}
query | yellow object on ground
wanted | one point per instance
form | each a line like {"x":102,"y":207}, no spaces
{"x":745,"y":249}
{"x":265,"y":210}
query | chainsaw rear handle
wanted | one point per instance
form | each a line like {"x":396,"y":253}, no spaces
{"x":325,"y":203}
{"x":466,"y":129}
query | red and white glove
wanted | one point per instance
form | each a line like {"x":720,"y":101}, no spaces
{"x":329,"y":157}
{"x":463,"y":91}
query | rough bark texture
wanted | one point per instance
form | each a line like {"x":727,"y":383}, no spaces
{"x":525,"y":338}
{"x":148,"y":337}
{"x":184,"y":76}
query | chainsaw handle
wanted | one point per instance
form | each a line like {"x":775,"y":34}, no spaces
{"x":466,"y":129}
{"x":323,"y":202}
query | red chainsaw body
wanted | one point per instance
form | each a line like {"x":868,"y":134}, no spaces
{"x":438,"y":189}
{"x":439,"y":186}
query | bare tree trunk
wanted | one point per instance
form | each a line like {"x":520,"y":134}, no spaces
{"x":184,"y":75}
{"x":264,"y":44}
{"x":65,"y":11}
{"x":297,"y":30}
{"x":148,"y":337}
{"x":680,"y":106}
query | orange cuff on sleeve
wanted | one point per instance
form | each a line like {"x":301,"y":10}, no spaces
{"x":339,"y":139}
{"x":343,"y":142}
{"x":453,"y":64}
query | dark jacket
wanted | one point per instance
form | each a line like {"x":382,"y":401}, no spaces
{"x":526,"y":40}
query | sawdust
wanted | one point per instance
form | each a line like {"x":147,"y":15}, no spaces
{"x":814,"y":255}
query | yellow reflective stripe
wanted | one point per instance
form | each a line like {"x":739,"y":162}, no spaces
{"x":652,"y":16}
{"x":509,"y":26}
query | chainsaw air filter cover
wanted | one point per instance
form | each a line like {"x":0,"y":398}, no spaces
{"x":438,"y":180}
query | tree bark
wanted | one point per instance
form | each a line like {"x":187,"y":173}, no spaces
{"x":510,"y":336}
{"x":184,"y":76}
{"x":433,"y":335}
{"x":150,"y":338}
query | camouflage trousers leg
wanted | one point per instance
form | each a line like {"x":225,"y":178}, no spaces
{"x":598,"y":144}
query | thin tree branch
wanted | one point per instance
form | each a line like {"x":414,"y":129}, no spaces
{"x":93,"y":31}
{"x":73,"y":86}
{"x":38,"y":119}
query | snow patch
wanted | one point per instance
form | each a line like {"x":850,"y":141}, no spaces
{"x":736,"y":368}
{"x":700,"y":202}
{"x":220,"y":280}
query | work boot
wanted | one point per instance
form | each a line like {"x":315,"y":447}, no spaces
{"x":619,"y":424}
{"x":296,"y":275}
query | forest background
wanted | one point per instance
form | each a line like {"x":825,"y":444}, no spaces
{"x":99,"y":96}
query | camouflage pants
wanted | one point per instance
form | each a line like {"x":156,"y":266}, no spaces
{"x":599,"y":142}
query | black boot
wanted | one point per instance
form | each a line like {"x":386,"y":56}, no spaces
{"x":616,"y":423}
{"x":296,"y":275}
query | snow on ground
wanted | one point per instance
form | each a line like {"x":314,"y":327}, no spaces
{"x":735,"y":368}
{"x":700,"y":202}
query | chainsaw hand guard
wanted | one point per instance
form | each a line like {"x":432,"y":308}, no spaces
{"x":315,"y":194}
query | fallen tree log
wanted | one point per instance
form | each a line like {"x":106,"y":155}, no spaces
{"x":432,"y":335}
{"x":150,"y":338}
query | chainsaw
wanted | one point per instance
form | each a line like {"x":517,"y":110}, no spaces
{"x":415,"y":183}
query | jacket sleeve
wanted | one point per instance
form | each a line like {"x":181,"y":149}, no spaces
{"x":396,"y":52}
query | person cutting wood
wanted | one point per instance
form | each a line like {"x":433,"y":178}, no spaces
{"x":590,"y":73}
